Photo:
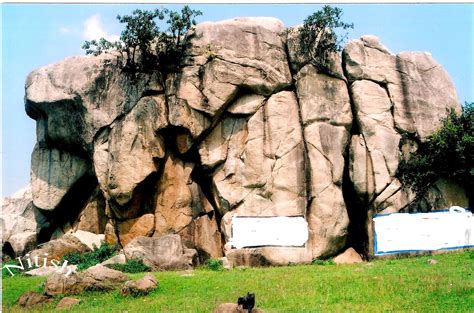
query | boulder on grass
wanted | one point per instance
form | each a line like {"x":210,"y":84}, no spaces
{"x":350,"y":256}
{"x":67,"y":303}
{"x":140,"y":287}
{"x":99,"y":277}
{"x":31,"y":298}
{"x":162,"y":254}
{"x":60,"y":284}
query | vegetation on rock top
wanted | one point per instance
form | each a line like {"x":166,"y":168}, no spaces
{"x":131,"y":266}
{"x":142,"y":39}
{"x":318,"y":38}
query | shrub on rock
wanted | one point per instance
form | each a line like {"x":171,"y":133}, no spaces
{"x":131,"y":266}
{"x":94,"y":257}
{"x":215,"y":264}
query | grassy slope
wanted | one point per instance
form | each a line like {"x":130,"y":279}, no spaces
{"x":394,"y":285}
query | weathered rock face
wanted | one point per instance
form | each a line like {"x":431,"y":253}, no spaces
{"x":246,"y":127}
{"x":93,"y":218}
{"x":125,"y":155}
{"x":263,"y":172}
{"x":327,"y":119}
{"x":414,"y":81}
{"x":164,"y":253}
{"x":21,"y":223}
{"x":53,"y":174}
{"x":140,"y":226}
{"x":231,"y":55}
{"x":73,"y":99}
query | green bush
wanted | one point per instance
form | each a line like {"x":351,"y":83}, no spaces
{"x":318,"y":38}
{"x":131,"y":266}
{"x":447,"y":153}
{"x":88,"y":259}
{"x":323,"y":262}
{"x":215,"y":265}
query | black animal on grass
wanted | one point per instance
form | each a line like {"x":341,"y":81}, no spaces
{"x":247,"y":301}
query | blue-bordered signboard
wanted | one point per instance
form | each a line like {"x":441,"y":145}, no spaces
{"x":415,"y":232}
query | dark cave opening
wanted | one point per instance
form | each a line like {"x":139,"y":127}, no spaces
{"x":357,"y":211}
{"x":7,"y":251}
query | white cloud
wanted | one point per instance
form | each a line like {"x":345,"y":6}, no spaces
{"x":93,"y":29}
{"x":64,"y":30}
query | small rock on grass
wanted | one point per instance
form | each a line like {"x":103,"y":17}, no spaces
{"x":350,"y":256}
{"x":67,"y":302}
{"x":226,"y":263}
{"x":234,"y":308}
{"x":140,"y":287}
{"x":432,"y":261}
{"x":31,"y":298}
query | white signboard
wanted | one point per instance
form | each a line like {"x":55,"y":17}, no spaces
{"x":268,"y":231}
{"x":404,"y":232}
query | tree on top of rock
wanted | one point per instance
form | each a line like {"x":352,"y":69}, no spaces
{"x":140,"y":30}
{"x":171,"y":44}
{"x":318,"y":38}
{"x":142,"y":39}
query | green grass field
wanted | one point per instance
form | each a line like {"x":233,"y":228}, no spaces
{"x":409,"y":284}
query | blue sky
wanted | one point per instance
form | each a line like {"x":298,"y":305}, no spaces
{"x":37,"y":35}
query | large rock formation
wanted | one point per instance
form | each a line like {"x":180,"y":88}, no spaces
{"x":246,"y":127}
